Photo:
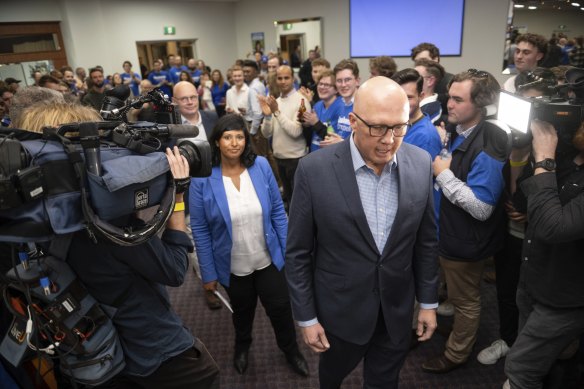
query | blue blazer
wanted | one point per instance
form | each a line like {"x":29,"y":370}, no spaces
{"x":211,"y":221}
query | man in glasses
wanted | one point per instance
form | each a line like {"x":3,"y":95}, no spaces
{"x":186,"y":97}
{"x":362,"y":243}
{"x":471,"y":217}
{"x":347,"y":81}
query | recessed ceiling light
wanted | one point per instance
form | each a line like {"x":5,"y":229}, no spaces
{"x":532,"y":7}
{"x":519,"y":6}
{"x":576,"y":4}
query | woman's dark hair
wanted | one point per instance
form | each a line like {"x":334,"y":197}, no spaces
{"x":231,"y":122}
{"x":189,"y":78}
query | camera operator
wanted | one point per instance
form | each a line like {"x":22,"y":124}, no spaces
{"x":550,"y":295}
{"x":159,"y":351}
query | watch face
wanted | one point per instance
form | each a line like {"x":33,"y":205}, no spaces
{"x":547,"y":164}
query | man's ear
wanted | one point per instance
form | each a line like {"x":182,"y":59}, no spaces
{"x":352,"y":120}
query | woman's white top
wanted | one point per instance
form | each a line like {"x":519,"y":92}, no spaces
{"x":249,"y":252}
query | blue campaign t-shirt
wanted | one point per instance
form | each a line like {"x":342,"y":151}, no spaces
{"x":174,"y":73}
{"x":343,"y":127}
{"x":328,"y":116}
{"x":134,"y":85}
{"x":424,"y":135}
{"x":157,"y":77}
{"x":195,"y":75}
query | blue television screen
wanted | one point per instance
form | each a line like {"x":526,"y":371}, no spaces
{"x":393,"y":27}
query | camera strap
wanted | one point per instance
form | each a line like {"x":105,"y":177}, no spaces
{"x":126,"y":236}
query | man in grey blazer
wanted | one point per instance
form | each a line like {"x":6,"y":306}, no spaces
{"x":362,"y":243}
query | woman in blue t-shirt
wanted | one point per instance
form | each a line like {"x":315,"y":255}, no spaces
{"x":219,"y":91}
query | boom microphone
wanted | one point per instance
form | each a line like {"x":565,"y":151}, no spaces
{"x":179,"y":130}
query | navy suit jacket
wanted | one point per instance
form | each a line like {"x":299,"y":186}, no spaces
{"x":209,"y":119}
{"x":211,"y":220}
{"x":334,"y":269}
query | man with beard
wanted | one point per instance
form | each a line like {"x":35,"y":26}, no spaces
{"x":96,"y":93}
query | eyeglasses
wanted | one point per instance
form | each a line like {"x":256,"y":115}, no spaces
{"x":186,"y":99}
{"x":342,"y":81}
{"x":325,"y":85}
{"x":379,"y":130}
{"x":478,"y":73}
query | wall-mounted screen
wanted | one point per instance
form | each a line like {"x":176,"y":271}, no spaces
{"x":393,"y":27}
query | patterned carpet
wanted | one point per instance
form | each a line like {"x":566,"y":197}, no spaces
{"x":268,"y":369}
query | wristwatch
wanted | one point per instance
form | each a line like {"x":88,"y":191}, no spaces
{"x":547,"y":164}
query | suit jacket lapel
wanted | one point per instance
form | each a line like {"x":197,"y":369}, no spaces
{"x":348,"y":183}
{"x":216,"y":181}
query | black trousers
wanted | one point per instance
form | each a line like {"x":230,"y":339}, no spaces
{"x":507,"y":268}
{"x":286,"y":171}
{"x":382,"y":364}
{"x":195,"y":368}
{"x":270,"y":286}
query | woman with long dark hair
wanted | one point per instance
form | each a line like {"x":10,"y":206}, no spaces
{"x":239,"y":227}
{"x":219,"y":91}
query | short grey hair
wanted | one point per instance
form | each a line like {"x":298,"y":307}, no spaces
{"x":25,"y":97}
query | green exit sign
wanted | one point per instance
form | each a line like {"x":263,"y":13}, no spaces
{"x":287,"y":26}
{"x":169,"y":30}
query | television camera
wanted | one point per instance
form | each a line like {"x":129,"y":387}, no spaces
{"x":562,"y":106}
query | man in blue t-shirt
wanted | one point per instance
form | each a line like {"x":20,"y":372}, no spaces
{"x":130,"y":78}
{"x":160,"y":78}
{"x":347,"y":81}
{"x":194,"y":71}
{"x":175,"y":68}
{"x":421,"y":132}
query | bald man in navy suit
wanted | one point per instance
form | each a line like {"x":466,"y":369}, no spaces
{"x":362,"y":243}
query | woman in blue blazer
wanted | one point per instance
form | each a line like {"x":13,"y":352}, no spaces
{"x":239,"y":227}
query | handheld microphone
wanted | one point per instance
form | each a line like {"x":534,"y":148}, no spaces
{"x":89,"y":136}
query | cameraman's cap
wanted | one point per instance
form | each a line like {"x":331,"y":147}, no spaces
{"x":11,"y":80}
{"x":264,"y":59}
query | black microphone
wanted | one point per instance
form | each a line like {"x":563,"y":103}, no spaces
{"x":179,"y":130}
{"x":89,"y":136}
{"x":114,"y":100}
{"x":121,"y":92}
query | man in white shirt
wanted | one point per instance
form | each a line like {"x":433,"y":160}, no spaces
{"x":257,"y":90}
{"x":186,"y":97}
{"x":237,"y":100}
{"x":281,"y":122}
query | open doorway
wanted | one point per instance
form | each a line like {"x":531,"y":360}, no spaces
{"x":292,"y":48}
{"x":305,"y":33}
{"x":149,"y":51}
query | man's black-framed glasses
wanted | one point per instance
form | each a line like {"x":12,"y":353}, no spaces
{"x":379,"y":130}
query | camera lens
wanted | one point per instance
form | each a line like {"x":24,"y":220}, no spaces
{"x":198,"y":156}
